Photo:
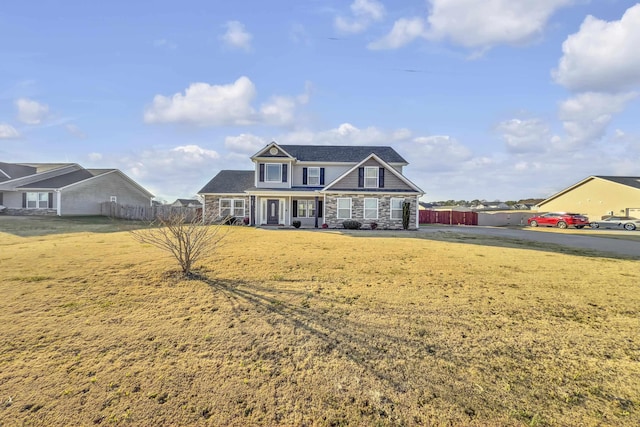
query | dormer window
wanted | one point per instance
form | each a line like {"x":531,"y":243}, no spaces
{"x":371,"y":177}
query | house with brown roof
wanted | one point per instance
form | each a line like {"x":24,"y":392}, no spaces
{"x":65,"y":189}
{"x":597,"y":196}
{"x":316,"y":185}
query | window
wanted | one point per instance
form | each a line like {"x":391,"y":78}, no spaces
{"x":231,"y":207}
{"x":306,"y":208}
{"x":396,"y":208}
{"x":113,"y":199}
{"x":370,"y":208}
{"x":313,"y":176}
{"x":371,"y":177}
{"x":37,"y":200}
{"x":344,"y":208}
{"x":273,"y":172}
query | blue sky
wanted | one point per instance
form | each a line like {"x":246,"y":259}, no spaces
{"x":486,"y":99}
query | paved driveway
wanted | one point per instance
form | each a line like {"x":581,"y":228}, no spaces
{"x":591,"y":242}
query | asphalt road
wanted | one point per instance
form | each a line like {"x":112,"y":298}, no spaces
{"x":569,"y":239}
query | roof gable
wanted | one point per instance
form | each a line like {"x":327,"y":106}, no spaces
{"x":629,"y":181}
{"x":272,"y":150}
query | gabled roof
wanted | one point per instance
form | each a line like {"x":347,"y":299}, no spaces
{"x":187,"y":202}
{"x":229,"y":182}
{"x":60,"y":180}
{"x":629,"y":181}
{"x":13,"y":170}
{"x":332,"y":153}
{"x":385,"y":165}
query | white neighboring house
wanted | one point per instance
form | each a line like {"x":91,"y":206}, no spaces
{"x":65,"y":189}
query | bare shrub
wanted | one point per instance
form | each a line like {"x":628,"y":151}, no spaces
{"x":186,"y":239}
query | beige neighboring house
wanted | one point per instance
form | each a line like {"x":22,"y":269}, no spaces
{"x":316,"y":185}
{"x":598,"y":196}
{"x":65,"y":189}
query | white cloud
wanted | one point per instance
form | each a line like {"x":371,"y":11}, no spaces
{"x":602,"y":56}
{"x":403,"y":32}
{"x":222,"y":105}
{"x":522,"y":136}
{"x":365,"y":12}
{"x":586,"y":117}
{"x":236,"y":37}
{"x":195,"y":154}
{"x":244,"y":143}
{"x":437,"y":152}
{"x":95,"y":157}
{"x":481,"y":24}
{"x":31,"y":112}
{"x":164,"y":43}
{"x":75,"y":131}
{"x":8,"y":132}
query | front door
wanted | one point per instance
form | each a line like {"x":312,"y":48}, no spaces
{"x":273,"y":216}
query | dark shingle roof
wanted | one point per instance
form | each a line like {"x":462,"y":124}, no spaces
{"x":631,"y":181}
{"x":61,"y":180}
{"x":341,"y":153}
{"x":15,"y":171}
{"x":229,"y":181}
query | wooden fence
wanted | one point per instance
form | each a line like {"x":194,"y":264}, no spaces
{"x":450,"y":217}
{"x":147,"y":213}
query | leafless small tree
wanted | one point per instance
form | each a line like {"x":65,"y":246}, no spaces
{"x":186,"y":239}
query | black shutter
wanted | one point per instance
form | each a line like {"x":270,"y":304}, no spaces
{"x":50,"y":200}
{"x":304,"y":176}
{"x":1,"y":198}
{"x":295,"y":209}
{"x":321,"y":177}
{"x":381,"y":178}
{"x":319,"y":208}
{"x":284,"y":172}
{"x":360,"y":177}
{"x":261,"y":179}
{"x":24,"y":200}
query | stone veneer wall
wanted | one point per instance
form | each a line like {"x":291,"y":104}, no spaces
{"x":384,"y":220}
{"x":34,"y":212}
{"x":212,"y":206}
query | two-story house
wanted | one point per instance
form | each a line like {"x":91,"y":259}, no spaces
{"x":315,"y":184}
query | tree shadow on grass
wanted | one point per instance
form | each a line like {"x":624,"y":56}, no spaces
{"x":326,"y":319}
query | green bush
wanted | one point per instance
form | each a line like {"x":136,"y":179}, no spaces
{"x":351,"y":224}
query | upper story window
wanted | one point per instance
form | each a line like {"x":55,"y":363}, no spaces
{"x":371,"y":177}
{"x":313,"y":176}
{"x":273,"y":172}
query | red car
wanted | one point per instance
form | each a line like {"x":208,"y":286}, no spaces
{"x":559,"y":219}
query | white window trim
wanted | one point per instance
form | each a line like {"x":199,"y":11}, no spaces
{"x":232,"y":207}
{"x":309,"y":169}
{"x":266,"y":173}
{"x":368,"y":168}
{"x":37,"y":200}
{"x":391,"y":209}
{"x":113,"y":199}
{"x":364,"y":208}
{"x":309,"y":205}
{"x":338,"y":207}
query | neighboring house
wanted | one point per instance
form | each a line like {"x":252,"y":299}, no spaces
{"x":65,"y":189}
{"x":598,"y":196}
{"x":315,"y":185}
{"x":424,"y":206}
{"x":492,"y":205}
{"x":187,"y":203}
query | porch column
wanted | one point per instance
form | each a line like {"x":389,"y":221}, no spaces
{"x":316,"y":211}
{"x":253,"y":210}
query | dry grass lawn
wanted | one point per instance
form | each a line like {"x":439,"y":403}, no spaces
{"x":316,"y":328}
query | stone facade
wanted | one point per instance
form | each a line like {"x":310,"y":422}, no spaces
{"x":212,"y":206}
{"x":33,"y":212}
{"x":384,"y":220}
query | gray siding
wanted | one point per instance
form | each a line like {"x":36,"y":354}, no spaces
{"x":391,"y":182}
{"x":85,"y":198}
{"x":331,"y":173}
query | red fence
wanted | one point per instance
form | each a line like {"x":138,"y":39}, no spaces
{"x":448,"y":217}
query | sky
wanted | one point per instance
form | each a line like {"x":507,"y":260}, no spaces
{"x":486,"y":99}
